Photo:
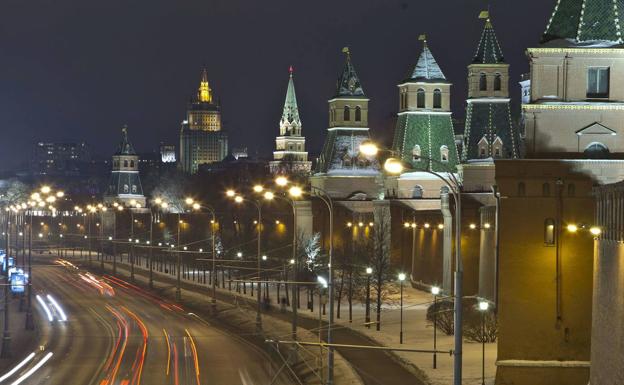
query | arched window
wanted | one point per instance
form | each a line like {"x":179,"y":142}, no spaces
{"x":358,"y":114}
{"x":546,"y":189}
{"x":596,"y":150}
{"x":347,"y":114}
{"x":132,"y":163}
{"x":125,"y":163}
{"x":549,"y":231}
{"x":483,"y":82}
{"x":571,"y":190}
{"x":437,"y":98}
{"x":416,"y":153}
{"x":497,"y":82}
{"x":444,"y":154}
{"x":521,"y":189}
{"x":420,"y":98}
{"x":417,"y":193}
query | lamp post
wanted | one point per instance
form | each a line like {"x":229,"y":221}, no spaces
{"x":369,"y":271}
{"x":239,"y":199}
{"x":435,"y":291}
{"x":483,"y":308}
{"x":401,"y":279}
{"x":395,"y":166}
{"x":6,"y":333}
{"x":117,"y":208}
{"x":213,"y":223}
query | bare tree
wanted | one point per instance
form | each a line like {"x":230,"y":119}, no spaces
{"x":380,"y":261}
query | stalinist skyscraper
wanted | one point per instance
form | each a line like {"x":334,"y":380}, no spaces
{"x":290,"y":156}
{"x":202,"y":139}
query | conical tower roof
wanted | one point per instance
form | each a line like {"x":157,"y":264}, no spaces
{"x":427,"y":68}
{"x":125,"y":147}
{"x":290,"y":114}
{"x":489,"y":50}
{"x":586,"y":22}
{"x":349,"y":84}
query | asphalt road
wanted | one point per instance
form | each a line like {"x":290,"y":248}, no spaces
{"x":118,"y":334}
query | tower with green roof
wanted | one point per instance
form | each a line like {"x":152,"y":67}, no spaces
{"x":290,"y":155}
{"x":424,"y":127}
{"x":576,"y":106}
{"x":348,"y":128}
{"x":489,"y":131}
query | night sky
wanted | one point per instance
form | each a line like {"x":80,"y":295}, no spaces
{"x":76,"y":70}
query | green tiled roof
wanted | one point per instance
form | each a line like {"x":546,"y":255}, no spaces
{"x":430,"y":132}
{"x":586,"y":21}
{"x":291,"y":110}
{"x":488,"y":51}
{"x":489,"y":120}
{"x":341,"y":154}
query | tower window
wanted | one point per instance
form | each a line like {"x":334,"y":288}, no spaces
{"x":437,"y":99}
{"x":132,"y":163}
{"x":358,"y":114}
{"x":125,"y":163}
{"x":549,"y":232}
{"x":347,"y":114}
{"x":546,"y":189}
{"x":444,"y":154}
{"x":497,"y":82}
{"x":598,"y":82}
{"x":416,"y":153}
{"x":420,"y":98}
{"x":521,"y":189}
{"x":482,"y":82}
{"x":483,"y":148}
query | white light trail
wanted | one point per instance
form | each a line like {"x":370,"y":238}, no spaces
{"x":45,"y":307}
{"x":18,"y":367}
{"x":33,"y":369}
{"x":58,"y":308}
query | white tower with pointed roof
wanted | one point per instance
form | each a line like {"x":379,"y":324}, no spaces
{"x":290,"y":156}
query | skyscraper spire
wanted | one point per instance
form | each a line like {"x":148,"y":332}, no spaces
{"x":205,"y":92}
{"x":488,"y":50}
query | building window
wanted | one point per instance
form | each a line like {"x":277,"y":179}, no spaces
{"x":521,"y":189}
{"x":598,"y":82}
{"x":546,"y":189}
{"x":497,"y":147}
{"x":125,"y":163}
{"x":358,"y":114}
{"x":482,"y":82}
{"x":483,"y":146}
{"x":497,"y":82}
{"x":416,"y":153}
{"x":549,"y":231}
{"x":596,"y":150}
{"x":444,"y":154}
{"x":571,"y":190}
{"x":437,"y":99}
{"x":417,"y":193}
{"x":403,"y":100}
{"x":347,"y":114}
{"x":132,"y":163}
{"x":420,"y":98}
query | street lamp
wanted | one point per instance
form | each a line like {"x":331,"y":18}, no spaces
{"x":435,"y":290}
{"x":369,"y":271}
{"x":483,"y":308}
{"x":239,"y":199}
{"x":401,"y":279}
{"x":455,"y":188}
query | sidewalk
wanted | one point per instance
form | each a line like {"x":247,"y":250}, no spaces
{"x":417,"y":332}
{"x":23,"y":341}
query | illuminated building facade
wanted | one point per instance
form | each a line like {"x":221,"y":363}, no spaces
{"x":202,"y":139}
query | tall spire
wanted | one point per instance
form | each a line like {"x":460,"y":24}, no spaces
{"x":488,"y":50}
{"x":205,"y":92}
{"x":290,"y":122}
{"x":586,"y":22}
{"x":349,"y":83}
{"x":427,"y":67}
{"x":125,"y":147}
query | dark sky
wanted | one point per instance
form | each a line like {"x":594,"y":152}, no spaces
{"x":77,"y":70}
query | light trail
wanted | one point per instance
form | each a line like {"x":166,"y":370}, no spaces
{"x":175,"y":365}
{"x":137,"y":376}
{"x":18,"y":367}
{"x":45,"y":307}
{"x":33,"y":369}
{"x":195,"y":359}
{"x":126,"y":327}
{"x":168,"y":353}
{"x":57,"y":307}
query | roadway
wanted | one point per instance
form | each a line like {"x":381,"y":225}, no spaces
{"x":119,"y":334}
